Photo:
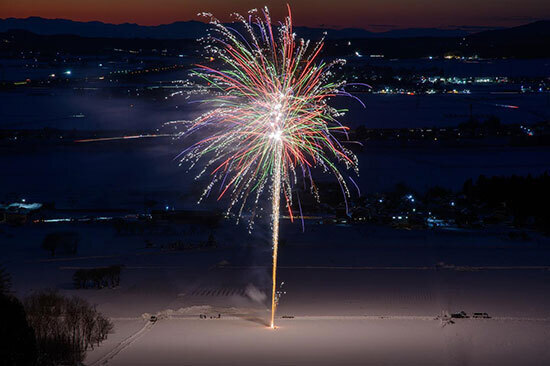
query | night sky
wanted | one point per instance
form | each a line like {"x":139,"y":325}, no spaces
{"x":375,"y":15}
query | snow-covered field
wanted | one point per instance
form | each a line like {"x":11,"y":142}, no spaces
{"x":355,"y":295}
{"x":355,"y":341}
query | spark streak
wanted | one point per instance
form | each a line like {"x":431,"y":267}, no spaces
{"x":101,"y":139}
{"x":276,"y":199}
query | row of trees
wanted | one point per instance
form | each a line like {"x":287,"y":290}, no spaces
{"x":64,"y":327}
{"x":97,"y":277}
{"x":62,"y":242}
{"x":526,"y":198}
{"x":185,"y":245}
{"x":47,"y":328}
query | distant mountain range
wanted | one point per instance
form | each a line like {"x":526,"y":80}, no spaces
{"x":47,"y":36}
{"x":194,"y":29}
{"x":538,"y":29}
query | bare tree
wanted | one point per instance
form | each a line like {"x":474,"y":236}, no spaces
{"x":66,"y":242}
{"x":65,"y":327}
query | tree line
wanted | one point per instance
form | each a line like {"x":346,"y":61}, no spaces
{"x":527,"y":198}
{"x":47,"y":328}
{"x":99,"y":277}
{"x":62,"y":242}
{"x":64,"y":327}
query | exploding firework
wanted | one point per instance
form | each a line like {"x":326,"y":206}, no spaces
{"x":268,"y":123}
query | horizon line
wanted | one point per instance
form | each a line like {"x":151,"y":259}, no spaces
{"x":471,"y":28}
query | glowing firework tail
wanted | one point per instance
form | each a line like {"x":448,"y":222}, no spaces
{"x":276,"y":199}
{"x":268,"y":123}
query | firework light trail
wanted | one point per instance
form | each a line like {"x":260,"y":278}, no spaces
{"x":268,"y":123}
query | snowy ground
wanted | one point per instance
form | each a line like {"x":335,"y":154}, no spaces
{"x":318,"y":341}
{"x":358,"y":294}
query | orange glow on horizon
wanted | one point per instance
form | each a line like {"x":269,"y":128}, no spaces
{"x":375,"y":15}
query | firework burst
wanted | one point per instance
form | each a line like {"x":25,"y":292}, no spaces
{"x":269,"y":123}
